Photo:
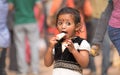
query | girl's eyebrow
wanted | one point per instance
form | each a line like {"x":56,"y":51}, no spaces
{"x":60,"y":19}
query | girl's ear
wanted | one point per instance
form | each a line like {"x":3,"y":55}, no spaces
{"x":78,"y":27}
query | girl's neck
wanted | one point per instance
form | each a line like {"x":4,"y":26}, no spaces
{"x":66,"y":39}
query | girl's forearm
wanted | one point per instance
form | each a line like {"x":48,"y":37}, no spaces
{"x":48,"y":59}
{"x":81,"y":57}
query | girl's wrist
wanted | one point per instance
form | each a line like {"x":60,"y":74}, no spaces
{"x":73,"y":51}
{"x":50,"y":50}
{"x":51,"y":47}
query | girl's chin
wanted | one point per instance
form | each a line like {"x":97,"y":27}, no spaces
{"x":66,"y":37}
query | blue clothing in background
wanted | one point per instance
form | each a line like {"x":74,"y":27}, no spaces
{"x":4,"y":33}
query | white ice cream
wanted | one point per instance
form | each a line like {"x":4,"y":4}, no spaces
{"x":60,"y":36}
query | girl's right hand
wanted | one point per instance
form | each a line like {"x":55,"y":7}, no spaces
{"x":52,"y":41}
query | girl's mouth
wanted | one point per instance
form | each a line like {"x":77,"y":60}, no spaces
{"x":64,"y":32}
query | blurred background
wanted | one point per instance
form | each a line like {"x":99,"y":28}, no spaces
{"x":45,"y":18}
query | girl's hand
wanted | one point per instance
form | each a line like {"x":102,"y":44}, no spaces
{"x":70,"y":46}
{"x":52,"y":42}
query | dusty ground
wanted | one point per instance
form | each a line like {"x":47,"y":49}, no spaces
{"x":113,"y":70}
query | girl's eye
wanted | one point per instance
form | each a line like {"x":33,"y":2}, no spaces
{"x":68,"y":23}
{"x":59,"y":23}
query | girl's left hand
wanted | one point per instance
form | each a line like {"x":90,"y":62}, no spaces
{"x":70,"y":46}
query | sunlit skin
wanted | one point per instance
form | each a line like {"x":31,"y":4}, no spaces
{"x":67,"y":25}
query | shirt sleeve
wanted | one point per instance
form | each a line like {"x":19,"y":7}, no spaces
{"x":84,"y":45}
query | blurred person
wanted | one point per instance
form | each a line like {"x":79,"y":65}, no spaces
{"x":4,"y":35}
{"x":114,"y":25}
{"x":26,"y":25}
{"x":101,"y":27}
{"x":12,"y":48}
{"x":100,"y":38}
{"x":70,"y":51}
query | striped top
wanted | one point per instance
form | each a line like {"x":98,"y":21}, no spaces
{"x":4,"y":33}
{"x":115,"y":17}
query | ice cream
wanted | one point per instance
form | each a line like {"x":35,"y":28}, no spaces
{"x":60,"y":36}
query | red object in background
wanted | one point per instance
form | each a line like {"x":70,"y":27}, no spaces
{"x":40,"y":18}
{"x":27,"y":51}
{"x":52,"y":31}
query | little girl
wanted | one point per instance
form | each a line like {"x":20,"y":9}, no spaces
{"x":71,"y":53}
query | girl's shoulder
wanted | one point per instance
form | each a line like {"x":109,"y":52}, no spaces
{"x":77,"y":39}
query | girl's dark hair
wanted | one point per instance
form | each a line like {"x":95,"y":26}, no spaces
{"x":69,"y":10}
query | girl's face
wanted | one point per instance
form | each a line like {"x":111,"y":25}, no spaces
{"x":67,"y":25}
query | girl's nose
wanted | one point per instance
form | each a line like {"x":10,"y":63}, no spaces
{"x":64,"y":25}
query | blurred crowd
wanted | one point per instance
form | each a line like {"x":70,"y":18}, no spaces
{"x":30,"y":31}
